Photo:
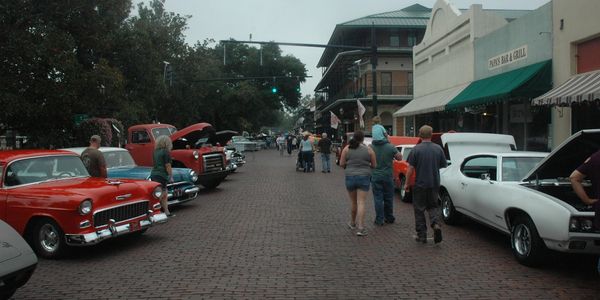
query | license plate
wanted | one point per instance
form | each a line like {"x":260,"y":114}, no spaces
{"x":134,"y":226}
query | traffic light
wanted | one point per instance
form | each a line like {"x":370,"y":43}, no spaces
{"x":274,"y":90}
{"x":298,"y":88}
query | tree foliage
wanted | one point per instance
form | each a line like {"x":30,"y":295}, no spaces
{"x":62,"y":58}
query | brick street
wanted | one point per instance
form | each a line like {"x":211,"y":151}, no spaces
{"x":271,"y":232}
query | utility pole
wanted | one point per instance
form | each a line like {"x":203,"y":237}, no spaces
{"x":374,"y":68}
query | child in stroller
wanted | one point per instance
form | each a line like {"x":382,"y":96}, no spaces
{"x":300,"y":163}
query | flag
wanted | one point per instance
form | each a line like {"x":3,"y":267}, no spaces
{"x":335,"y":121}
{"x":361,"y":112}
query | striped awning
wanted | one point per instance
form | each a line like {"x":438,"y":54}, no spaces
{"x":579,"y":88}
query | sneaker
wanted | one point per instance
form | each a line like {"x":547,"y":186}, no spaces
{"x":323,"y":171}
{"x":378,"y":224}
{"x":390,"y":221}
{"x":170,"y":215}
{"x":351,"y":226}
{"x":328,"y":171}
{"x":422,"y":240}
{"x":362,"y":232}
{"x":437,"y":233}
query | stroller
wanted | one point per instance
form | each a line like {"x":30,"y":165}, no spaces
{"x":300,"y":163}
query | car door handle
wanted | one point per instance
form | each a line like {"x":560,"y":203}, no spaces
{"x":463,"y":184}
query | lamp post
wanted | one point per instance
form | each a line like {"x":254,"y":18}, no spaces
{"x":165,"y":70}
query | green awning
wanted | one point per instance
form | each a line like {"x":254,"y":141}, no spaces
{"x":527,"y":82}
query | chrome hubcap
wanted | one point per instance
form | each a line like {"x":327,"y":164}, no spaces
{"x":402,"y":188}
{"x":446,"y":206}
{"x":49,"y":238}
{"x":522,"y":240}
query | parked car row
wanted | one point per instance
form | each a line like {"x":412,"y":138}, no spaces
{"x":50,"y":203}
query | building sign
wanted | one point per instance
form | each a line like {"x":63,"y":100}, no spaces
{"x":507,"y":58}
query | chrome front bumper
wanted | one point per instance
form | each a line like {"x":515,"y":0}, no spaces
{"x":191,"y":193}
{"x":577,"y":243}
{"x":113,"y":230}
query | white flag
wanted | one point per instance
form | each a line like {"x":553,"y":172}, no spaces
{"x":335,"y":121}
{"x":361,"y":112}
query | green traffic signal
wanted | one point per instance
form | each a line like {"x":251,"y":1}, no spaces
{"x":274,"y":90}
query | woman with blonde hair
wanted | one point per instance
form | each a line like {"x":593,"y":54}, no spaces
{"x":161,"y":169}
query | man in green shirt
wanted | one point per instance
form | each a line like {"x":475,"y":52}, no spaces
{"x":161,"y":169}
{"x":383,"y":182}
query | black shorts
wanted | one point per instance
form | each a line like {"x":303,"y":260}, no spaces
{"x":159,"y":179}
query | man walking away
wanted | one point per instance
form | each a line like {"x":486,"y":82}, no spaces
{"x":325,"y":148}
{"x":426,"y":159}
{"x":290,"y":143}
{"x":93,"y":159}
{"x":383,"y":182}
{"x":589,"y":169}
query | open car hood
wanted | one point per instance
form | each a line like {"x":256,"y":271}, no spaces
{"x":462,"y":144}
{"x":569,"y":155}
{"x":194,"y":136}
{"x":223,"y":137}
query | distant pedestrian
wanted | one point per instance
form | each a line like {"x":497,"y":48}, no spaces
{"x":306,"y":148}
{"x":324,"y":145}
{"x":383,"y":182}
{"x":426,"y":159}
{"x":290,"y":143}
{"x":93,"y":159}
{"x":161,"y":168}
{"x":378,"y":132}
{"x":280,"y":144}
{"x":358,"y":161}
{"x":589,"y":169}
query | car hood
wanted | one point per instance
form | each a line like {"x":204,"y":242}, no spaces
{"x":11,"y":244}
{"x":461,"y":145}
{"x":194,"y":136}
{"x":569,"y":155}
{"x":223,"y":137}
{"x":143,"y":173}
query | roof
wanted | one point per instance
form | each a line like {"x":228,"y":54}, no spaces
{"x":507,"y":14}
{"x":79,"y":150}
{"x":414,"y":16}
{"x":10,"y":155}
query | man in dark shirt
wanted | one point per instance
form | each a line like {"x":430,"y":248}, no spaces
{"x":589,"y":169}
{"x":93,"y":159}
{"x":382,"y":180}
{"x":426,"y":159}
{"x":325,"y":149}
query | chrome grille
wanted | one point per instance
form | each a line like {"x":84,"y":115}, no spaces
{"x":213,"y":162}
{"x":120,"y":213}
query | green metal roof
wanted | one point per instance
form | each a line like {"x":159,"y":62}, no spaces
{"x":530,"y":81}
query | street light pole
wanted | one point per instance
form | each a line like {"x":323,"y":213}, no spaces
{"x":165,"y":71}
{"x":374,"y":68}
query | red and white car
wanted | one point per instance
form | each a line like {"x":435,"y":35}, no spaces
{"x":49,"y":198}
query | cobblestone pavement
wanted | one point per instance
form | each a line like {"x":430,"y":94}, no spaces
{"x":271,"y":232}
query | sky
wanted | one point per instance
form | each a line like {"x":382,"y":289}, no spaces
{"x":297,"y":21}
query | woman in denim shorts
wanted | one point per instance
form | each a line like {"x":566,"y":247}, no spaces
{"x":358,"y":160}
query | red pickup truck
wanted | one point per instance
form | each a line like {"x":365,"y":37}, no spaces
{"x":193,"y":147}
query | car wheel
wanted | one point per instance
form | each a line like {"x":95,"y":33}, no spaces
{"x":449,"y":213}
{"x":48,"y":239}
{"x":7,"y":294}
{"x":211,"y":184}
{"x":527,"y":246}
{"x":405,"y":196}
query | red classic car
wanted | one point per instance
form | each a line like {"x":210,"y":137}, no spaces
{"x":400,"y":167}
{"x":50,"y":199}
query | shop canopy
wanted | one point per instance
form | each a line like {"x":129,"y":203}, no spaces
{"x":579,"y":88}
{"x":430,"y":103}
{"x":525,"y":82}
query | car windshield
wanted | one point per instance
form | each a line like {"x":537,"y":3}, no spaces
{"x":156,"y":132}
{"x":115,"y":159}
{"x":515,"y":168}
{"x":46,"y":168}
{"x":406,"y":152}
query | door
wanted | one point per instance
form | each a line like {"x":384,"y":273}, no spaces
{"x":141,"y":147}
{"x":3,"y":194}
{"x":479,"y":184}
{"x":386,"y":83}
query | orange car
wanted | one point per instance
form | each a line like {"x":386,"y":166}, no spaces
{"x":400,"y":167}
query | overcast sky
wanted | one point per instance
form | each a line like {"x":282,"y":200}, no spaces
{"x":300,"y":21}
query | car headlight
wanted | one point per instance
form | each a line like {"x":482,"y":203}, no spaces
{"x":157,"y":193}
{"x":196,"y":155}
{"x":574,"y":225}
{"x":194,"y":176}
{"x":586,"y":224}
{"x":85,"y":207}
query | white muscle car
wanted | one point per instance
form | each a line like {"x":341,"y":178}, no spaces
{"x":527,"y":195}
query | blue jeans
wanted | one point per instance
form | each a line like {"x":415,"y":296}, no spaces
{"x":307,"y":157}
{"x":383,"y":196}
{"x":326,"y":160}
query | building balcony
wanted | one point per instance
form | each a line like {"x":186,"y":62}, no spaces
{"x":382,"y":91}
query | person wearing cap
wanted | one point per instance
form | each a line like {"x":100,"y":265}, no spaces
{"x":93,"y":159}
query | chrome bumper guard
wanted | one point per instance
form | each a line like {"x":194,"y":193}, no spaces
{"x":114,"y":230}
{"x":191,"y":191}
